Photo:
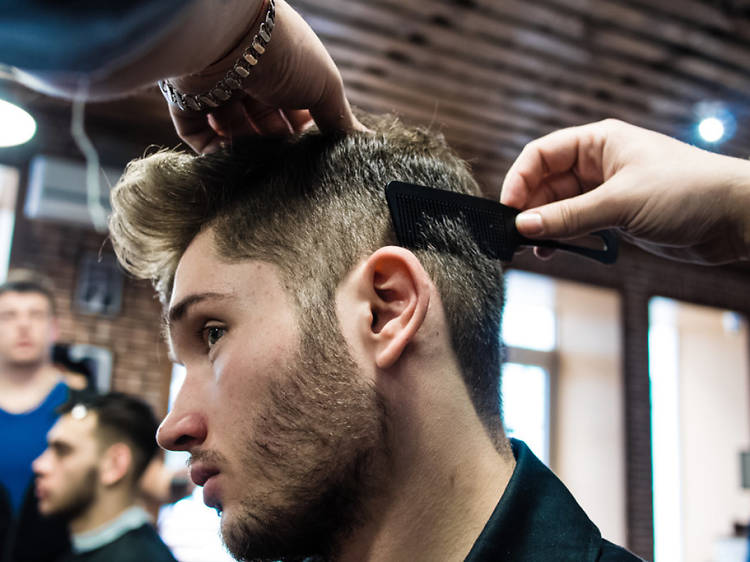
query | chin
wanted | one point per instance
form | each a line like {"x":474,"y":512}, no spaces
{"x":46,"y":508}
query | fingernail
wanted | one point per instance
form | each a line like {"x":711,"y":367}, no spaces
{"x":530,"y":223}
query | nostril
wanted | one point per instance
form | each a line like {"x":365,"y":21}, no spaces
{"x":183,"y":440}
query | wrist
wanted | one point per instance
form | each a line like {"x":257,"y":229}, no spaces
{"x":234,"y":50}
{"x":738,"y":189}
{"x":217,"y":83}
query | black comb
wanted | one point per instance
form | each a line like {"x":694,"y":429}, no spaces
{"x":492,"y":224}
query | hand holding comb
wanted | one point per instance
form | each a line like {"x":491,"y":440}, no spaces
{"x":492,"y":225}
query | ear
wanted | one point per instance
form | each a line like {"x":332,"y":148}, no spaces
{"x":115,"y":464}
{"x":397,"y":288}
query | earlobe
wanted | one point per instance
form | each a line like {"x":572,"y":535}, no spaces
{"x":400,"y":294}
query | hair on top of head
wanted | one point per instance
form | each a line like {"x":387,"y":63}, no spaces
{"x":120,"y":418}
{"x":314,"y":205}
{"x":28,"y":281}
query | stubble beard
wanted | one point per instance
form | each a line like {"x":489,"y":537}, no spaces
{"x":80,"y":499}
{"x":320,"y":447}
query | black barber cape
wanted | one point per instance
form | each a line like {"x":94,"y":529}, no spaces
{"x":538,"y":520}
{"x":137,"y":545}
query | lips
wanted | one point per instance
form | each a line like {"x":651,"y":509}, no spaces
{"x":40,"y":492}
{"x":212,"y":494}
{"x":207,"y":475}
{"x":200,"y":474}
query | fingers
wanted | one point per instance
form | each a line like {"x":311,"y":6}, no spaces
{"x":299,"y":119}
{"x":230,"y":120}
{"x":334,"y":113}
{"x":207,"y":133}
{"x":544,"y":253}
{"x":552,"y":154}
{"x":193,"y":129}
{"x":267,"y":119}
{"x":576,"y":216}
{"x":575,"y":150}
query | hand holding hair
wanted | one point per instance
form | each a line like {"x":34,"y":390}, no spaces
{"x":291,"y":81}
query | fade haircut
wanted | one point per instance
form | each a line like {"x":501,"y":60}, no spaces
{"x":314,"y":206}
{"x":27,"y":281}
{"x":122,"y":418}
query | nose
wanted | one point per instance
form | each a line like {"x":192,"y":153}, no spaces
{"x":39,"y":464}
{"x":185,"y":426}
{"x":23,"y":321}
{"x":181,"y":432}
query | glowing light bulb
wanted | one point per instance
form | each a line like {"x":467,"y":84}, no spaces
{"x":711,"y":129}
{"x":16,"y":126}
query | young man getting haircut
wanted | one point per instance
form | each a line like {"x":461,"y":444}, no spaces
{"x":88,"y":476}
{"x":341,"y":397}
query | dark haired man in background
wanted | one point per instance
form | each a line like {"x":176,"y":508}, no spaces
{"x":88,"y":476}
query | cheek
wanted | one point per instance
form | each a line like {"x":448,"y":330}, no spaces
{"x":244,"y":371}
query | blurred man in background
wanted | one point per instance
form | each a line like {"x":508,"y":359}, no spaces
{"x":31,"y":390}
{"x":89,"y":477}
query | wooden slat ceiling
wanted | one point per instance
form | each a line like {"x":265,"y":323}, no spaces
{"x":495,"y":74}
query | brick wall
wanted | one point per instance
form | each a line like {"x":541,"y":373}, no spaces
{"x":140,"y":363}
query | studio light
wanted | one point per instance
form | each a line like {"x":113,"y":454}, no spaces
{"x":714,"y":124}
{"x":16,"y":125}
{"x":711,"y":129}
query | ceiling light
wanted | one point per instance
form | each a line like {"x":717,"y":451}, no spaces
{"x":711,"y":129}
{"x":714,"y":124}
{"x":17,"y":126}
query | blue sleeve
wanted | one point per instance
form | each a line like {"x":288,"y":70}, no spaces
{"x":78,"y":35}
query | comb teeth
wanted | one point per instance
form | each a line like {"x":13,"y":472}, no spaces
{"x":415,"y":209}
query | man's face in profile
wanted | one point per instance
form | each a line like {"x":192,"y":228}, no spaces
{"x":283,"y":430}
{"x":27,"y":327}
{"x":67,"y":472}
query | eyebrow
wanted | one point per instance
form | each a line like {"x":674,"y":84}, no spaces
{"x":178,"y":311}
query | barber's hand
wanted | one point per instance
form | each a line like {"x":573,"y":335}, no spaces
{"x":666,"y":196}
{"x":294,"y":83}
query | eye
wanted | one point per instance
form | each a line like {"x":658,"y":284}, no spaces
{"x":212,"y":334}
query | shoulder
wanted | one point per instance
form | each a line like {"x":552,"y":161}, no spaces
{"x":137,"y":545}
{"x":612,"y":553}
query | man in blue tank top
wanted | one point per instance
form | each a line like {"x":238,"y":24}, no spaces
{"x":31,"y":390}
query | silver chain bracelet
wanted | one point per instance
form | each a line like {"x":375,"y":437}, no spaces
{"x":234,"y":77}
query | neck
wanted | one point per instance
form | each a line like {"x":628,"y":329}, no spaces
{"x":24,"y":386}
{"x":108,"y":506}
{"x":445,"y":480}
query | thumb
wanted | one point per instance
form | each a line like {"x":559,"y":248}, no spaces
{"x":333,"y":113}
{"x":570,"y":218}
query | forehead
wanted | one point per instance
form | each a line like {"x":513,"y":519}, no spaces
{"x":15,"y":300}
{"x":73,"y":431}
{"x":201,"y":271}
